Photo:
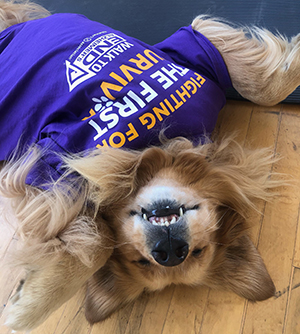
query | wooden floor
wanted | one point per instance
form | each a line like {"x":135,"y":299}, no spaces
{"x":184,"y":310}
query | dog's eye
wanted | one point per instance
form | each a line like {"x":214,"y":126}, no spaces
{"x":133,"y":213}
{"x":197,"y":251}
{"x":143,"y":262}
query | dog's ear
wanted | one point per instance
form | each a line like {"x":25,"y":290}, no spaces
{"x":239,"y":176}
{"x":118,"y":173}
{"x":110,"y":170}
{"x":245,"y":272}
{"x":108,"y":290}
{"x":238,"y":265}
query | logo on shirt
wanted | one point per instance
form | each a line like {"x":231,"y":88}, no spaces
{"x":94,"y":57}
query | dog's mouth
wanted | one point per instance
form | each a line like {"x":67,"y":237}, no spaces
{"x":165,"y":216}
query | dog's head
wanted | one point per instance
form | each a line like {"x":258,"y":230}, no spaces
{"x":168,"y":228}
{"x":179,"y":216}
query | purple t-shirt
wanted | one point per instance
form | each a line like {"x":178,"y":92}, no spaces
{"x":70,"y":84}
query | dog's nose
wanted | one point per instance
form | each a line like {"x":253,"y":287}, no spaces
{"x":170,"y":251}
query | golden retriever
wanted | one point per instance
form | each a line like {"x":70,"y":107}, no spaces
{"x":139,"y":220}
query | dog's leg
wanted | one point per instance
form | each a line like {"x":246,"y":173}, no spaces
{"x":14,"y":12}
{"x":47,"y":288}
{"x":264,"y":68}
{"x":65,"y":240}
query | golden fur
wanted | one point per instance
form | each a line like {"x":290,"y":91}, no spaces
{"x":93,"y":229}
{"x":222,"y":178}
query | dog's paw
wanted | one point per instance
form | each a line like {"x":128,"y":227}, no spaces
{"x":41,"y":293}
{"x":19,"y":318}
{"x":45,"y":289}
{"x":25,"y":311}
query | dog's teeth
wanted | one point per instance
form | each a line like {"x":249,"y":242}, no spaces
{"x":180,"y":212}
{"x":161,"y":221}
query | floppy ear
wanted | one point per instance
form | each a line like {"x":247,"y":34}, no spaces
{"x":245,"y":273}
{"x":108,"y":290}
{"x":238,"y":265}
{"x":117,"y":173}
{"x":111,"y":170}
{"x":242,"y":175}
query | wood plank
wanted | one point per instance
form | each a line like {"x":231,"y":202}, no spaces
{"x":151,"y":317}
{"x":293,"y":155}
{"x":263,"y":127}
{"x":234,"y":119}
{"x":73,"y":323}
{"x":291,"y":109}
{"x":293,"y":312}
{"x":186,"y":309}
{"x":296,"y":261}
{"x":222,"y":306}
{"x":115,"y":324}
{"x":72,"y":318}
{"x":137,"y":314}
{"x":262,"y":133}
{"x":276,"y":245}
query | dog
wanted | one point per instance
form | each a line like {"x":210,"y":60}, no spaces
{"x":98,"y":199}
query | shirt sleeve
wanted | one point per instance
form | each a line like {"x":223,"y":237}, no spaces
{"x":193,"y":50}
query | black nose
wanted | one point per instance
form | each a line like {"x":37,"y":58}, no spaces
{"x":170,"y":251}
